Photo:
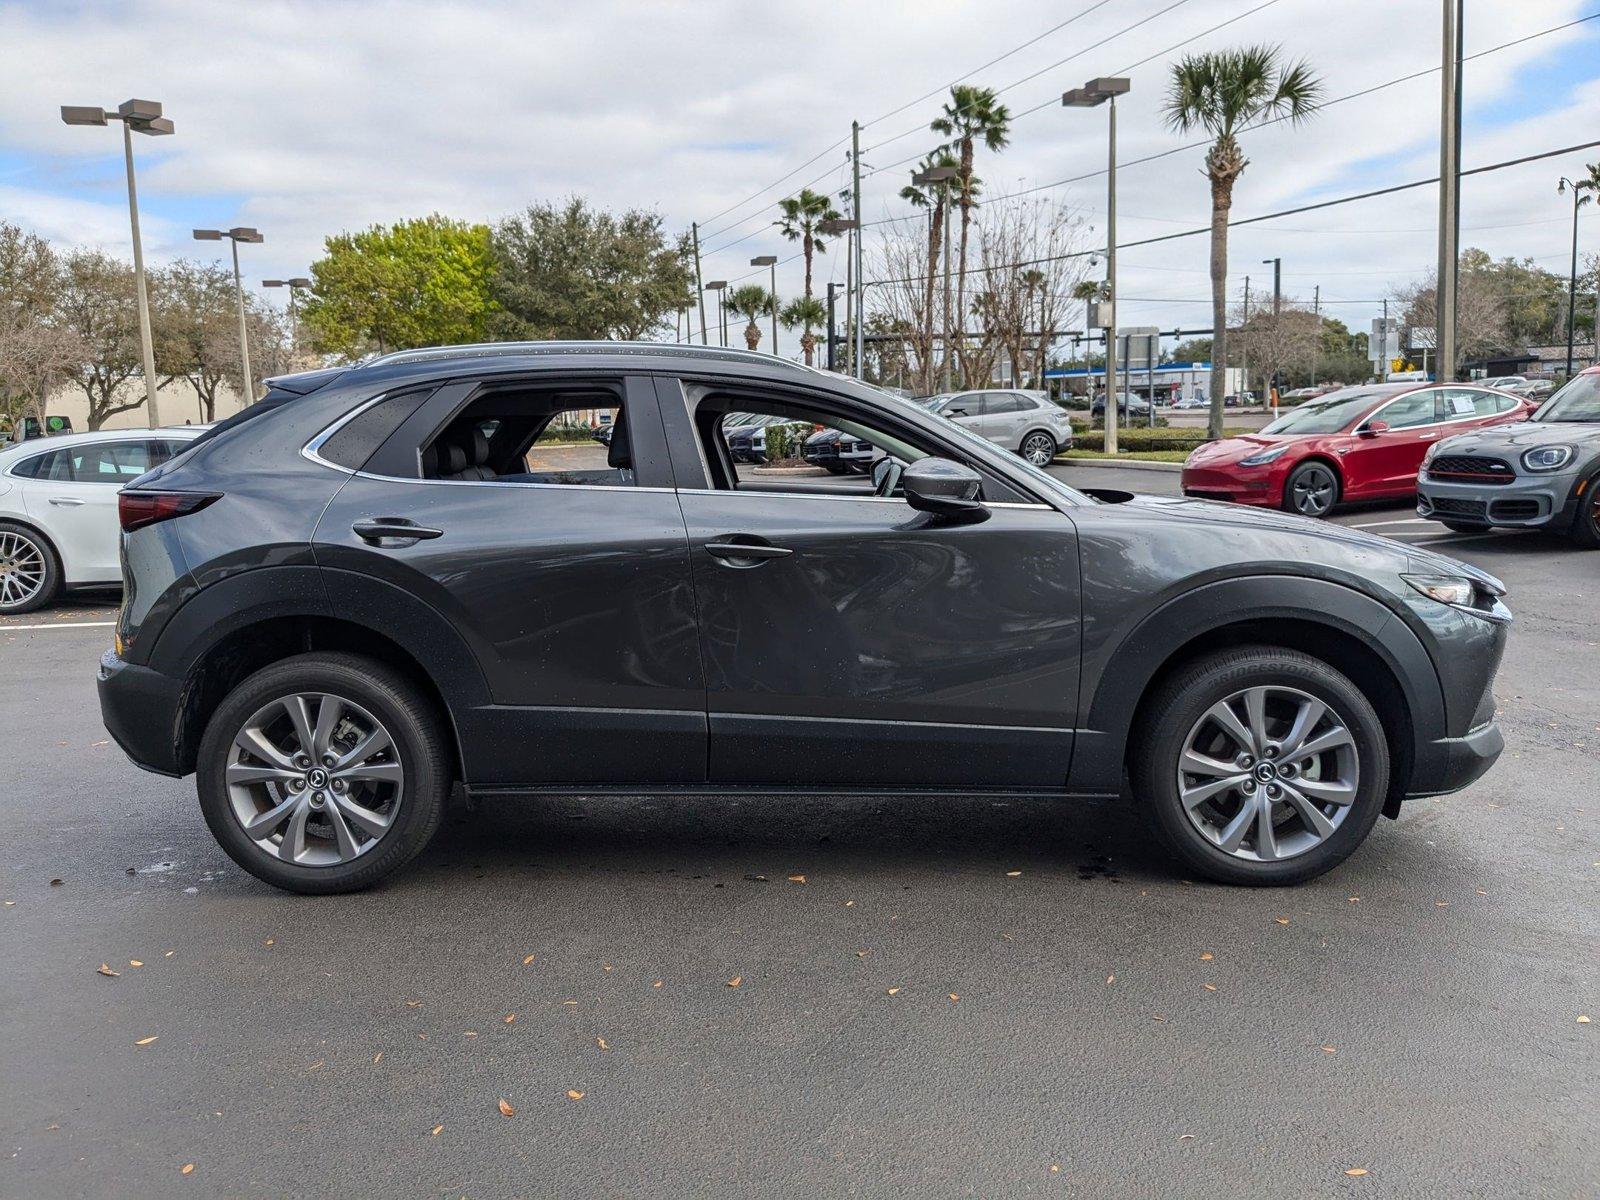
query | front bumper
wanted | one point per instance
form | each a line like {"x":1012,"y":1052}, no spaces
{"x":141,"y":710}
{"x":1460,"y":761}
{"x":1527,"y":502}
{"x":1258,"y":486}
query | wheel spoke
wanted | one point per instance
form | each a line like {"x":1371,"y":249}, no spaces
{"x":381,"y":772}
{"x":1331,"y":740}
{"x":1327,"y":791}
{"x":341,"y":833}
{"x":1255,"y":707}
{"x":253,"y":741}
{"x":294,"y":833}
{"x":1311,"y":711}
{"x":328,"y":713}
{"x":1195,"y":763}
{"x":243,"y":773}
{"x":374,"y":824}
{"x":269,"y":821}
{"x":1266,"y":841}
{"x":371,"y":744}
{"x":1222,"y":713}
{"x":300,"y":715}
{"x":1315,"y":819}
{"x":1232,"y":835}
{"x":1197,"y":795}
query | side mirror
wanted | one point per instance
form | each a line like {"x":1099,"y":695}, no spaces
{"x":945,"y":489}
{"x":956,"y":412}
{"x":1374,"y":428}
{"x":886,"y":472}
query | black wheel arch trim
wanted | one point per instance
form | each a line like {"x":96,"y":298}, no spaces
{"x":1114,"y":690}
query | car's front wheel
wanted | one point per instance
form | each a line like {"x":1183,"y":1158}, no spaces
{"x":30,"y":576}
{"x":1586,"y":527}
{"x":1312,"y":490}
{"x":1039,"y":448}
{"x":323,"y":773}
{"x":1260,"y":765}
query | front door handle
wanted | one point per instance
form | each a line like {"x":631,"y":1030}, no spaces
{"x":66,"y":501}
{"x":749,"y":551}
{"x":379,"y":529}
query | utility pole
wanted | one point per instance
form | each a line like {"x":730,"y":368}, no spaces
{"x":1383,"y":350}
{"x":1444,"y":300}
{"x":1578,"y":201}
{"x":833,"y":337}
{"x":860,"y":346}
{"x":699,"y":288}
{"x":1316,"y":341}
{"x":1244,"y":352}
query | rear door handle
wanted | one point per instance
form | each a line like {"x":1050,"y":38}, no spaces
{"x":750,"y":553}
{"x":66,"y":501}
{"x":377,"y":529}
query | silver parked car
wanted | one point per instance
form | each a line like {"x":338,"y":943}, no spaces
{"x":1024,"y":421}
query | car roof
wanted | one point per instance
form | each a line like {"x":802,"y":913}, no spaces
{"x":57,"y":440}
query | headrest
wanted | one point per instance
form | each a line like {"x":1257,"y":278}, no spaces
{"x":620,"y":453}
{"x":452,"y":458}
{"x":477,"y":446}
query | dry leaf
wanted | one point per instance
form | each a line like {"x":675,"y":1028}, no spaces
{"x":378,"y":1057}
{"x":657,"y":983}
{"x":435,"y":1131}
{"x":1207,"y":956}
{"x":894,"y":991}
{"x":169,"y":954}
{"x":1210,"y":987}
{"x":186,"y":1169}
{"x":1583,"y":1018}
{"x":1282,"y":920}
{"x":105,"y":969}
{"x":316,"y":1064}
{"x":1356,"y":1172}
{"x":146,"y":1041}
{"x":572,"y":1095}
{"x":605,"y":967}
{"x":469,"y":1033}
{"x":57,"y":882}
{"x":1110,"y":979}
{"x":270,"y":942}
{"x":954,"y":997}
{"x":1329,"y":1049}
{"x":572,"y":1003}
{"x":1186,"y":1137}
{"x":413,"y":1003}
{"x":1353,"y":899}
{"x":736,"y":981}
{"x":601,"y":1042}
{"x":528,"y":960}
{"x":1013,"y":874}
{"x":1157,"y":1017}
{"x":509,"y":1017}
{"x":134,"y":962}
{"x":797,"y":879}
{"x":847,"y":903}
{"x":1441,"y":904}
{"x":1055,"y":1168}
{"x":505,"y":1108}
{"x":862,"y":953}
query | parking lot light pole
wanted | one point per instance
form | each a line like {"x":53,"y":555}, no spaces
{"x":942,"y":176}
{"x":137,"y":116}
{"x":1091,"y":95}
{"x":837,"y":227}
{"x":771,"y":261}
{"x":295,"y":285}
{"x":719,"y":286}
{"x":239,"y":233}
{"x":1580,"y":197}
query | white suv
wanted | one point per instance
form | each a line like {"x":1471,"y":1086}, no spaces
{"x":1027,"y":422}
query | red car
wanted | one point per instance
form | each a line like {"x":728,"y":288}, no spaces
{"x":1358,"y":443}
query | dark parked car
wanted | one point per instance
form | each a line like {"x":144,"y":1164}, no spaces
{"x":1128,"y":404}
{"x":838,"y":452}
{"x":351,"y":600}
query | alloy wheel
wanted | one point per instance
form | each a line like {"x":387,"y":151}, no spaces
{"x":1039,"y":449}
{"x":22,"y":570}
{"x":1312,"y":491}
{"x":1268,"y":773}
{"x":314,"y":779}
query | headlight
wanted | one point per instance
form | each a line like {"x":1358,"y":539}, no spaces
{"x":1446,"y":589}
{"x":1262,"y":458}
{"x":1547,"y":458}
{"x":1432,"y":450}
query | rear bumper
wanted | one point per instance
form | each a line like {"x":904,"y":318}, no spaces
{"x":140,"y":708}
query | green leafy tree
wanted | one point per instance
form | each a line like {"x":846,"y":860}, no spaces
{"x":801,"y":221}
{"x":36,"y":353}
{"x":804,"y":313}
{"x":423,"y":282}
{"x":98,"y":306}
{"x":973,"y":114}
{"x":569,"y":271}
{"x":194,"y":326}
{"x":1224,"y":92}
{"x":752,"y":302}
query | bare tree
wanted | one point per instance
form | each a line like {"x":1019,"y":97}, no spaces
{"x":98,"y":308}
{"x":900,"y":299}
{"x":1481,"y":318}
{"x":1274,"y":342}
{"x":36,"y":354}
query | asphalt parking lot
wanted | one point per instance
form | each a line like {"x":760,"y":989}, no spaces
{"x":780,"y":996}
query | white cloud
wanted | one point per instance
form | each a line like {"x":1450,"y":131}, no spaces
{"x":307,"y":118}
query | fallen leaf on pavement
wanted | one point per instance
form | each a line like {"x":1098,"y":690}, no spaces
{"x":1207,"y":956}
{"x":847,"y":903}
{"x":1583,"y":1018}
{"x":657,"y":983}
{"x":510,"y":1017}
{"x":1282,"y":920}
{"x":797,"y":879}
{"x":527,"y":960}
{"x":469,"y":1033}
{"x":1210,"y":987}
{"x":1356,"y":1171}
{"x":601,"y":1042}
{"x":378,"y":1057}
{"x":186,"y":1169}
{"x":954,"y":997}
{"x":435,"y":1131}
{"x":736,"y":981}
{"x":1329,"y":1049}
{"x":105,"y":969}
{"x":134,"y":962}
{"x":1157,"y":1017}
{"x":57,"y":882}
{"x":1186,"y":1137}
{"x":572,"y":1095}
{"x":413,"y":1003}
{"x":862,"y":953}
{"x":1013,"y":874}
{"x":146,"y":1041}
{"x":894,"y":991}
{"x":505,"y":1108}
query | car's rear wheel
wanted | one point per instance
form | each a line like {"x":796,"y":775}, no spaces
{"x":1039,"y":448}
{"x":323,"y":773}
{"x":1260,"y":765}
{"x":30,"y":575}
{"x":1312,"y":490}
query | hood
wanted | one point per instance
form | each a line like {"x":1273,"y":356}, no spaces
{"x":1232,"y":449}
{"x":1506,"y":439}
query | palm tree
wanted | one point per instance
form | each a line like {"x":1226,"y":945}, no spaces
{"x":802,"y":313}
{"x":933,"y":199}
{"x":1224,"y":92}
{"x":802,"y":217}
{"x":972,"y":113}
{"x":752,"y":302}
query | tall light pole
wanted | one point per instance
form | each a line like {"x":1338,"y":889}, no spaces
{"x":296,"y":285}
{"x":1444,"y":295}
{"x":239,"y":233}
{"x":858,"y":352}
{"x":837,"y":227}
{"x":1090,"y":95}
{"x":942,"y":176}
{"x":719,"y":286}
{"x":137,"y":116}
{"x":1580,"y":197}
{"x":771,"y":261}
{"x":1277,"y":284}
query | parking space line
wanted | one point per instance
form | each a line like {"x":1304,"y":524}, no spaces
{"x":61,"y":625}
{"x":1405,"y":521}
{"x":1470,"y":537}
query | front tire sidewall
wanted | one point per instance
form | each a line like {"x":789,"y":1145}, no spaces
{"x":1303,"y":469}
{"x":1034,"y":435}
{"x":420,"y":747}
{"x":1182,"y":701}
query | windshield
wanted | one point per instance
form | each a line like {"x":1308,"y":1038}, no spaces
{"x":1327,"y":414}
{"x":1578,"y":401}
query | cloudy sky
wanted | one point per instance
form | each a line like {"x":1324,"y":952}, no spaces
{"x":308,"y":118}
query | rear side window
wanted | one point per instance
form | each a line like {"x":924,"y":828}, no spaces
{"x":99,"y":462}
{"x":355,"y":441}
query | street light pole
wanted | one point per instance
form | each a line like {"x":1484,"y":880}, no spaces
{"x":1277,"y":284}
{"x":142,"y":116}
{"x":718,"y":286}
{"x":1093,"y":93}
{"x":771,"y":261}
{"x":1444,"y":301}
{"x":1579,"y":199}
{"x":859,"y":340}
{"x":294,"y":285}
{"x":239,"y":233}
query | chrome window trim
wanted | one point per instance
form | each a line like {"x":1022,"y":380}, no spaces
{"x":1435,"y":387}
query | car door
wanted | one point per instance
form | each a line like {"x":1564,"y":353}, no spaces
{"x":1005,"y":414}
{"x":71,"y":492}
{"x":566,"y":573}
{"x":1382,"y":464}
{"x":969,"y":409}
{"x":850,"y":641}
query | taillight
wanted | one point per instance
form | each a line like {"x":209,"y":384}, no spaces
{"x":135,"y":510}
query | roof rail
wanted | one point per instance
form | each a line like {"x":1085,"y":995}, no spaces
{"x":492,"y":349}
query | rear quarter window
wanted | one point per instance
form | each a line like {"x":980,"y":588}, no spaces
{"x":353,"y":443}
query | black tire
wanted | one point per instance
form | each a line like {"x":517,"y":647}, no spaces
{"x":1312,"y":490}
{"x":1179,"y":704}
{"x":1586,"y":522}
{"x":1464,"y":527}
{"x":1043,"y":440}
{"x":34,"y":543}
{"x":421,"y":746}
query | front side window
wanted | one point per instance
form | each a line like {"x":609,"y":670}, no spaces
{"x":1578,"y":401}
{"x":1332,"y":413}
{"x":1004,"y":402}
{"x":1411,"y":410}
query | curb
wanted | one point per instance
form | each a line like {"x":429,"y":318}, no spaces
{"x":1135,"y":464}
